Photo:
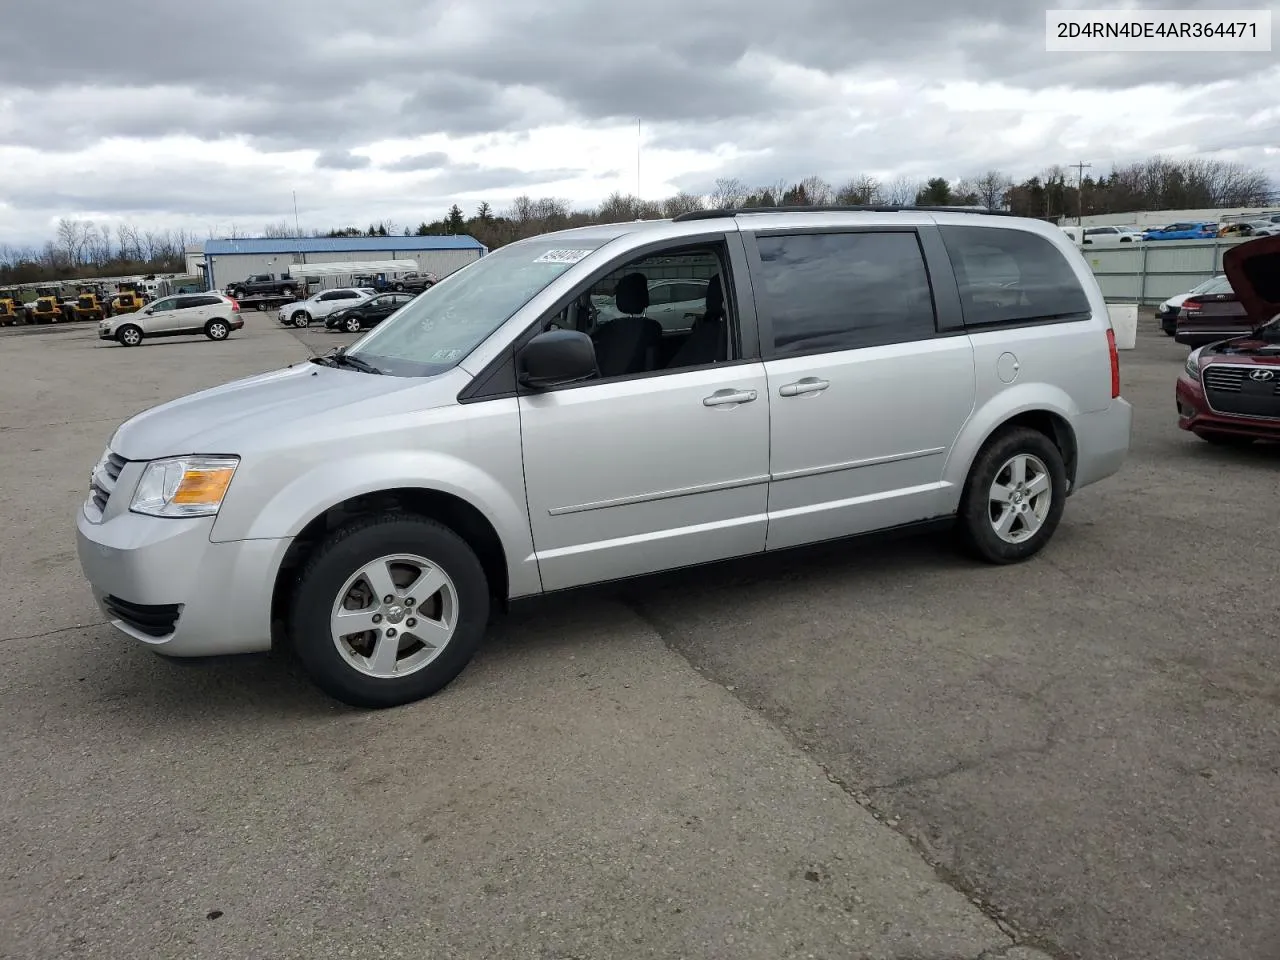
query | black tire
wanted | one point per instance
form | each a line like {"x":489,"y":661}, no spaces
{"x":130,"y":335}
{"x":973,"y":522}
{"x":300,"y":319}
{"x":399,"y":286}
{"x":1225,"y":439}
{"x":288,"y":291}
{"x":217,"y":329}
{"x":337,"y":559}
{"x":352,"y":324}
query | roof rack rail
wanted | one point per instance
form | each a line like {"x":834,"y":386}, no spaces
{"x":857,"y":208}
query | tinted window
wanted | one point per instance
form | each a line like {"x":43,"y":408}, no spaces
{"x":1011,"y":276}
{"x":346,"y":295}
{"x":840,"y":291}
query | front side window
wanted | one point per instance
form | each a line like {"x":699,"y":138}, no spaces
{"x":451,"y":318}
{"x":160,"y":306}
{"x":1010,"y":276}
{"x":827,"y":292}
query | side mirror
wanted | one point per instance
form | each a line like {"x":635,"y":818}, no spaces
{"x":556,"y":358}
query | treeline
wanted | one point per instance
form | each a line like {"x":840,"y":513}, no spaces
{"x":1054,"y":194}
{"x":80,"y":248}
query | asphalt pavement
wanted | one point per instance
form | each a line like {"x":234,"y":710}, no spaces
{"x":580,"y":792}
{"x":830,"y":753}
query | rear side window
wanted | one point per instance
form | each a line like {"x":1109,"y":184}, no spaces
{"x":826,"y":292}
{"x":1011,"y":277}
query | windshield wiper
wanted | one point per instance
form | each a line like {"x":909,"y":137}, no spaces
{"x":355,"y":363}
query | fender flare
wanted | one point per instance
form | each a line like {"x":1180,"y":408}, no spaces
{"x":999,"y":410}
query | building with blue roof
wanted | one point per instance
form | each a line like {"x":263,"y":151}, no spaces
{"x":228,"y":261}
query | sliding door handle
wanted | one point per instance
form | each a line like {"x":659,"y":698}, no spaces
{"x":802,"y":387}
{"x":724,"y":398}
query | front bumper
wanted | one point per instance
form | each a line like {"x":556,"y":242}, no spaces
{"x":1195,"y":414}
{"x":163,"y":583}
{"x":1102,"y":442}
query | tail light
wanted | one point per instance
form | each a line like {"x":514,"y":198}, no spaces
{"x":1115,"y":363}
{"x":235,"y":304}
{"x":1190,"y":305}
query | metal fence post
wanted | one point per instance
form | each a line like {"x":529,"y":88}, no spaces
{"x":1142,"y":276}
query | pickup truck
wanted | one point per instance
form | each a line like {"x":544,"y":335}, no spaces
{"x":264,"y":285}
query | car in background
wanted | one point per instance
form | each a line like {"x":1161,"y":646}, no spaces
{"x":369,"y":313}
{"x":1167,"y":312}
{"x":674,"y":302}
{"x":301,"y":312}
{"x":211,"y":314}
{"x":1110,"y":236}
{"x":1183,"y":230}
{"x":1229,"y":391}
{"x":1215,"y":313}
{"x":414,"y":282}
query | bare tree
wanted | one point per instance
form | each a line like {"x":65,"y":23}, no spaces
{"x":72,"y":236}
{"x":127,"y":241}
{"x":992,"y":189}
{"x":817,"y":191}
{"x":278,"y":230}
{"x":618,"y":208}
{"x":728,"y":194}
{"x":901,"y":191}
{"x":859,"y":191}
{"x":681,"y":203}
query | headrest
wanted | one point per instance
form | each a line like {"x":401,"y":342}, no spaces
{"x":632,"y":294}
{"x":715,"y":297}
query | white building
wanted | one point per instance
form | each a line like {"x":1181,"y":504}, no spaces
{"x":227,"y":261}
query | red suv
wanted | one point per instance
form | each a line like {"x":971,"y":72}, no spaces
{"x":1229,"y":391}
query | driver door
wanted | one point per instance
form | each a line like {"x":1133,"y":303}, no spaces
{"x":654,"y":468}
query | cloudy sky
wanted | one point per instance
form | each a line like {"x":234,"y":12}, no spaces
{"x":208,"y":115}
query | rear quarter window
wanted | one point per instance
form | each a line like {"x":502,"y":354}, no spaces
{"x":1010,"y":277}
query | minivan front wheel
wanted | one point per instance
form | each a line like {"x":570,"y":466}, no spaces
{"x":389,"y":610}
{"x":1013,"y":498}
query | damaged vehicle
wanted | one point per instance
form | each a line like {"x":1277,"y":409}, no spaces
{"x":1229,"y":391}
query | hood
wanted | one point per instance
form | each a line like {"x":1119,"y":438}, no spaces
{"x":1253,"y":269}
{"x":246,"y":414}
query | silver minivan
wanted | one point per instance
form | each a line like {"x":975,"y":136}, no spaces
{"x":849,"y":371}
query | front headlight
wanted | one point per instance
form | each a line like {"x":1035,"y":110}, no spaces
{"x":184,"y":486}
{"x":1193,"y":363}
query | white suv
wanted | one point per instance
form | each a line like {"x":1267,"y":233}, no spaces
{"x":212,"y":314}
{"x":849,"y":371}
{"x":301,"y":313}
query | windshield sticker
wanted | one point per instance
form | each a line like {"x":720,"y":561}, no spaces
{"x":563,"y":256}
{"x":444,"y":356}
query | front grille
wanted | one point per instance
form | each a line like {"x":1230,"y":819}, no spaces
{"x":104,"y":479}
{"x":153,"y":619}
{"x":1230,"y":389}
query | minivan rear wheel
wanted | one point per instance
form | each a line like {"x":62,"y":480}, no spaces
{"x":1013,"y":498}
{"x":389,"y":610}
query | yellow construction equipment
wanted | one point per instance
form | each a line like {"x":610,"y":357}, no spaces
{"x":87,"y":307}
{"x":46,"y":310}
{"x":126,"y":301}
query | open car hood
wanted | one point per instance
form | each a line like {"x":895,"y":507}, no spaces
{"x":1253,"y":268}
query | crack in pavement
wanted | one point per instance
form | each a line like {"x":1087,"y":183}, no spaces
{"x":50,"y":633}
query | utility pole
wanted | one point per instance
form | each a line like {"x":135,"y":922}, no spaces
{"x":1080,"y":168}
{"x":638,"y":142}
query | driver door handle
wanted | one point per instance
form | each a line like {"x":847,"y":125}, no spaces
{"x":802,"y":387}
{"x":723,"y":398}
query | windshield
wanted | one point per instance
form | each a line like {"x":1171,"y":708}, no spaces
{"x":1206,"y":286}
{"x":438,"y":328}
